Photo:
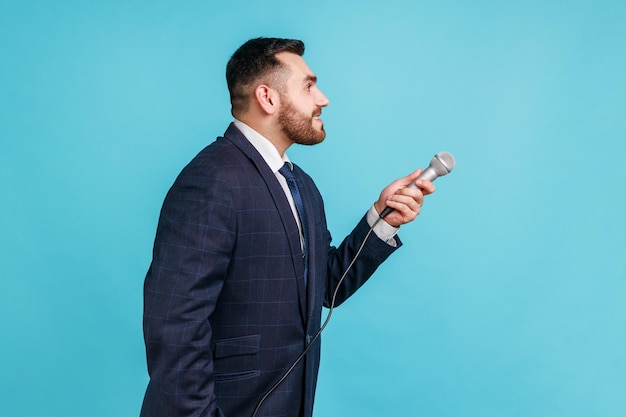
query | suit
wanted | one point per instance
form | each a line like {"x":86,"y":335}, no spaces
{"x":226,"y":308}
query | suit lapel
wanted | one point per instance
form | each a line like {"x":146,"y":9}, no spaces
{"x":282,"y":205}
{"x":308,"y":200}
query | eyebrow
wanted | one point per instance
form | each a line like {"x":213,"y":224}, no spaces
{"x":312,"y":78}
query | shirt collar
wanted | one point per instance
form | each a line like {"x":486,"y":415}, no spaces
{"x":267,"y":150}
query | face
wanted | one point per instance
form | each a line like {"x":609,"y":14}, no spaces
{"x":302,"y":103}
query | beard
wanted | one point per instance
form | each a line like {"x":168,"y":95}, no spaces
{"x":298,"y":126}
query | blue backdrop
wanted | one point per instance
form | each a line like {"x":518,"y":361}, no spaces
{"x":508,"y":297}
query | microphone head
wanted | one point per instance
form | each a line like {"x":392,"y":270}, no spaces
{"x":442,"y":163}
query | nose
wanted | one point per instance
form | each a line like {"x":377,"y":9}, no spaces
{"x":322,"y":100}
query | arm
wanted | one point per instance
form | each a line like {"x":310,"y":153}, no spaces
{"x":191,"y":255}
{"x":406,"y":203}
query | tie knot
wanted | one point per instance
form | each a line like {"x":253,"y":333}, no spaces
{"x":286,"y":171}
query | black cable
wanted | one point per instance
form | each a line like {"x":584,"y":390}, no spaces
{"x":317,"y":335}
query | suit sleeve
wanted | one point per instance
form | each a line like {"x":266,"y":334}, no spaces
{"x":192,"y":249}
{"x":375,"y":251}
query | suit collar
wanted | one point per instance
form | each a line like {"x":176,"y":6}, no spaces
{"x":263,"y":146}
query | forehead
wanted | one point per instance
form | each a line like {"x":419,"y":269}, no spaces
{"x":300,"y":71}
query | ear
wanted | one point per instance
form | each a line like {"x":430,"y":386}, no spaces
{"x":267,"y":98}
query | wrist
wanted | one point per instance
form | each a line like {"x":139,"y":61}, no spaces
{"x":379,"y":207}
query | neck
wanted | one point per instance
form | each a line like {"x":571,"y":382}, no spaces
{"x":269,"y":131}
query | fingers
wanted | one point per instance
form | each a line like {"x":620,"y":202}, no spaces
{"x":401,"y":214}
{"x":407,"y":201}
{"x":409,"y":207}
{"x":426,"y":186}
{"x":412,"y":198}
{"x":411,"y":177}
{"x":407,"y":194}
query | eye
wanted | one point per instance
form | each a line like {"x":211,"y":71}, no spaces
{"x":308,"y":87}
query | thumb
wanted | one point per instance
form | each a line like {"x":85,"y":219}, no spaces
{"x":409,"y":179}
{"x":402,"y":182}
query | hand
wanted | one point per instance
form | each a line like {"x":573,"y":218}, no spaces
{"x":406,"y":202}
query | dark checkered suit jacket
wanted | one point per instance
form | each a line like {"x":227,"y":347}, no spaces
{"x":226,"y":310}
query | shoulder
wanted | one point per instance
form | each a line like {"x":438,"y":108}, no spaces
{"x":219,"y":161}
{"x":230,"y":154}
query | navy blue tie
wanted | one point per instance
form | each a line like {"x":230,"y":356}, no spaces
{"x":286,"y":172}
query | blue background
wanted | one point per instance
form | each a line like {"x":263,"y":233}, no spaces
{"x":508,"y":297}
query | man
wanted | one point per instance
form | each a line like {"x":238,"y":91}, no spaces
{"x":242,"y":260}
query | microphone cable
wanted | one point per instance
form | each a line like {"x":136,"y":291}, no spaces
{"x":441,"y":164}
{"x":319,"y":332}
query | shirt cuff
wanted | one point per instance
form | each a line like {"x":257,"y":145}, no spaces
{"x":382,"y":229}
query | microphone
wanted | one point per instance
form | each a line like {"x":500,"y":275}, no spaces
{"x":440,"y":165}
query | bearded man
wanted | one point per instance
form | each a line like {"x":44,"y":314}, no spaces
{"x":243,"y":261}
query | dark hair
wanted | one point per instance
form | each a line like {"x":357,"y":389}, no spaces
{"x":255,"y":61}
